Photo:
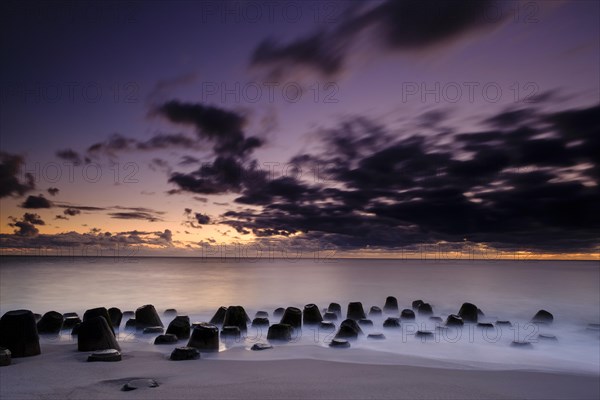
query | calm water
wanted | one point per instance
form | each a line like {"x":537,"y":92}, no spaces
{"x":570,"y":290}
{"x":512,"y":290}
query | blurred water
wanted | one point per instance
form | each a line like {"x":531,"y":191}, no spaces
{"x":511,"y":290}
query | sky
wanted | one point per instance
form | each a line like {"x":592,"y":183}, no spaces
{"x":319,"y":129}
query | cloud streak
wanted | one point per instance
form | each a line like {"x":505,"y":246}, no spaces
{"x":390,"y":26}
{"x":135,"y":215}
{"x":116,"y":212}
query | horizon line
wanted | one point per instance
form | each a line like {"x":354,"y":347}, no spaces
{"x":324,"y":260}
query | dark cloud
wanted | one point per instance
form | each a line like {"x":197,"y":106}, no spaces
{"x":118,"y":212}
{"x":69,"y":155}
{"x":524,"y":185}
{"x":221,"y":129}
{"x":393,"y":25}
{"x":10,"y":179}
{"x":25,"y":227}
{"x":135,"y":215}
{"x":221,"y":177}
{"x":142,"y":213}
{"x":284,"y":189}
{"x":61,"y":217}
{"x":321,"y":51}
{"x":581,"y":130}
{"x":165,"y":141}
{"x":166,"y":236}
{"x":53,"y":191}
{"x":225,"y":129}
{"x":36,"y":202}
{"x":510,"y":118}
{"x":415,"y":24}
{"x":159,"y":164}
{"x":119,"y":143}
{"x":72,"y":211}
{"x":34,"y":219}
{"x":188,"y":160}
{"x":163,"y":87}
{"x":115,"y":142}
{"x":202,"y":219}
{"x":195,"y":220}
{"x":433,"y":119}
{"x":135,"y":232}
{"x":139,"y":209}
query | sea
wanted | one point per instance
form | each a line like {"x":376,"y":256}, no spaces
{"x":510,"y":290}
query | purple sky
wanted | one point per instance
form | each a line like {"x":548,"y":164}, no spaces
{"x":397,"y":101}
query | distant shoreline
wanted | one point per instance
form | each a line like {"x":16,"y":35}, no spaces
{"x":303,"y":258}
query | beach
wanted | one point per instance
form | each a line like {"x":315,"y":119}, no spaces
{"x":468,"y":362}
{"x":61,"y":372}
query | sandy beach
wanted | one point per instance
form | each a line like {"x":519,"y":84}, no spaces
{"x":61,"y":372}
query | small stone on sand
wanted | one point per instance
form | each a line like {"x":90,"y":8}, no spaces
{"x":185,"y":353}
{"x":523,"y":344}
{"x":261,"y":346}
{"x":376,"y":336}
{"x":339,"y":344}
{"x":139,"y":384}
{"x":105,"y":355}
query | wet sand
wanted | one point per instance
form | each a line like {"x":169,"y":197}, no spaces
{"x":63,"y":373}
